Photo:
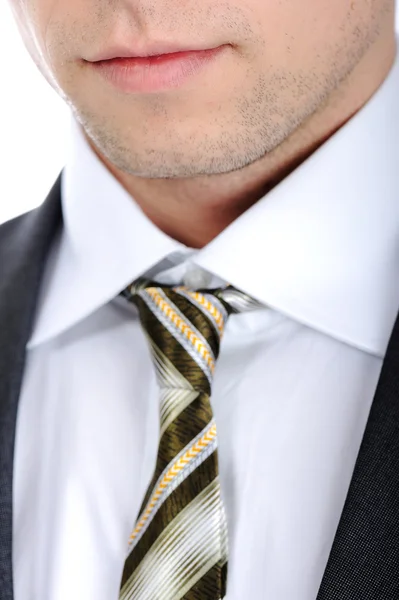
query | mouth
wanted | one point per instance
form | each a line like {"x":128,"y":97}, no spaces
{"x":153,"y":71}
{"x":145,"y":50}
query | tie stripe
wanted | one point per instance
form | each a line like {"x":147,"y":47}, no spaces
{"x":215,"y":578}
{"x":173,"y":402}
{"x":177,"y":470}
{"x":181,"y":328}
{"x":180,"y":497}
{"x":176,"y":347}
{"x":175,"y":391}
{"x":197,"y":315}
{"x":178,"y":546}
{"x":176,"y":560}
{"x":168,"y":376}
{"x":210,"y":307}
{"x":186,"y":427}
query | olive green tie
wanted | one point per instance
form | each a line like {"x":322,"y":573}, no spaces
{"x":179,"y":546}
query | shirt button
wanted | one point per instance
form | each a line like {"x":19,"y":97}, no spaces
{"x":196,"y":278}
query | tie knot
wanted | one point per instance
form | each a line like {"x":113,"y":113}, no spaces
{"x":185,"y":327}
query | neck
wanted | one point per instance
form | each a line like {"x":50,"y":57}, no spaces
{"x":195,"y":210}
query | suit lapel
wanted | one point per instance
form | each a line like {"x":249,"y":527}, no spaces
{"x":24,"y":244}
{"x":364,"y":560}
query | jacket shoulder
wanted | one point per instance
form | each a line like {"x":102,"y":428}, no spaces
{"x":12,"y":228}
{"x":29,"y":234}
{"x":13,"y":232}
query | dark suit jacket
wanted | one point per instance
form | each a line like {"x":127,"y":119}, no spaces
{"x":364,"y":561}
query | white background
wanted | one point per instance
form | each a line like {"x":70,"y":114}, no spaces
{"x":34,"y":125}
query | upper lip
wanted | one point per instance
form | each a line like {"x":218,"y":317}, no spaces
{"x":149,"y":49}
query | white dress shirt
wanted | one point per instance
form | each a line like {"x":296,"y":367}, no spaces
{"x":293,"y":384}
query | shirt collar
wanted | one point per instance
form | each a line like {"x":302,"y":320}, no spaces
{"x":321,"y":247}
{"x":326,"y":238}
{"x":105,"y":243}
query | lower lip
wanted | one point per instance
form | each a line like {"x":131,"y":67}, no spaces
{"x":155,"y":73}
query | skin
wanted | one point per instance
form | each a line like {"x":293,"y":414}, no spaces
{"x":197,"y":156}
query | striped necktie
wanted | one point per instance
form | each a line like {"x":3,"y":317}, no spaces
{"x":178,"y":548}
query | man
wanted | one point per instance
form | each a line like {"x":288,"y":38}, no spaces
{"x":199,"y":359}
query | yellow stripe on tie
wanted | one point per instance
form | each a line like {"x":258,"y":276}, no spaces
{"x":171,"y":473}
{"x":185,"y":329}
{"x":211,"y":308}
